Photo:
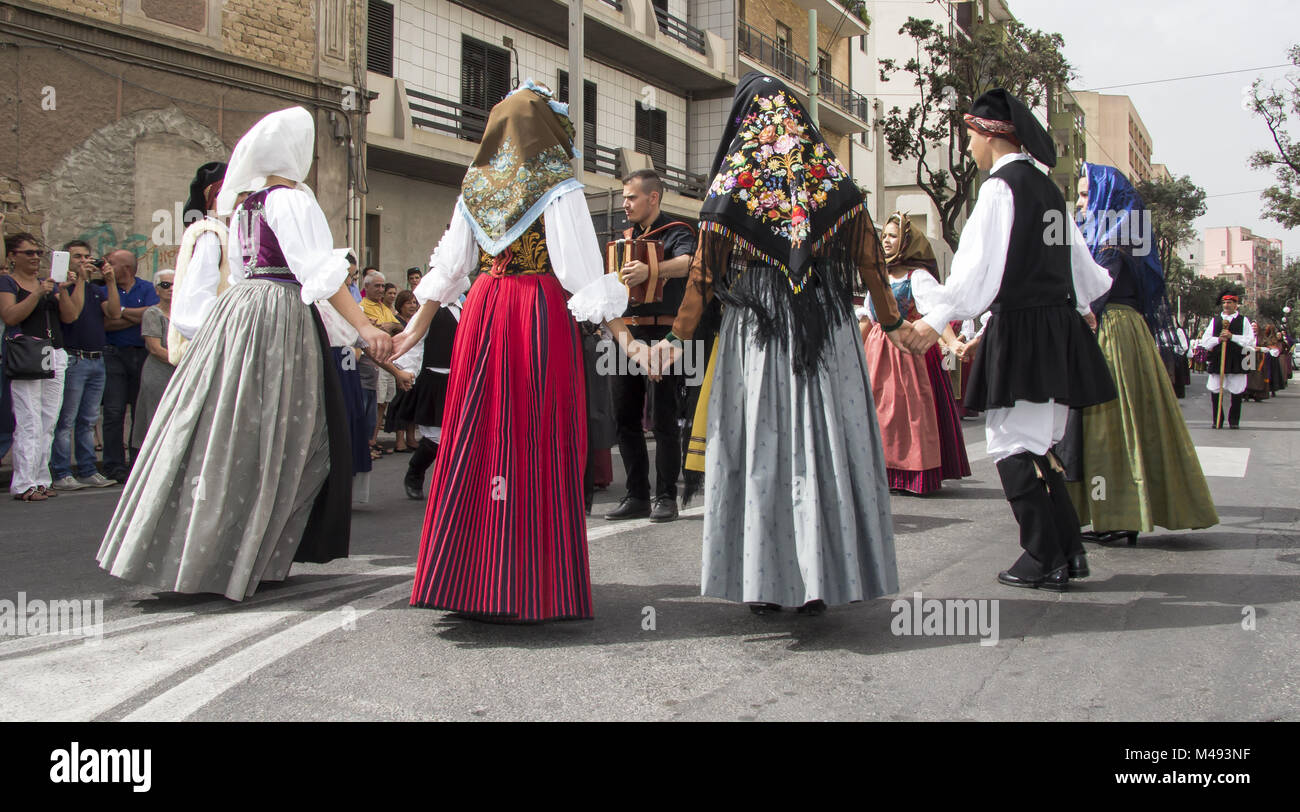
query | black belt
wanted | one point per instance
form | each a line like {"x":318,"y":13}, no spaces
{"x":89,"y":355}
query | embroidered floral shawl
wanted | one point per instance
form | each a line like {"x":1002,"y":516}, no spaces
{"x":781,"y":199}
{"x":522,"y":164}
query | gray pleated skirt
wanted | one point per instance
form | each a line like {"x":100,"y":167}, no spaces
{"x":796,"y":504}
{"x":234,"y":457}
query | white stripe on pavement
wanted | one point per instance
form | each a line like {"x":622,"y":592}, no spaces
{"x":191,"y":695}
{"x":1223,"y":461}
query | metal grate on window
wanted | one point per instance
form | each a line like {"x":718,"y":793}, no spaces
{"x":379,"y":37}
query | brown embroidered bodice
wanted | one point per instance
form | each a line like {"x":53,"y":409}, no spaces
{"x":526,"y":255}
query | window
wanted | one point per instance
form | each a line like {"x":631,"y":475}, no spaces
{"x":740,"y":10}
{"x":484,"y":81}
{"x":588,"y":108}
{"x":379,"y":38}
{"x":652,"y":134}
{"x":784,"y":51}
{"x":862,"y":43}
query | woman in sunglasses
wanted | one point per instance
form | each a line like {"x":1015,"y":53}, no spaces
{"x":157,"y":370}
{"x":35,"y":307}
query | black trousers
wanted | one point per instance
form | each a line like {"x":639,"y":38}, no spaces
{"x":1233,"y":411}
{"x":122,"y":366}
{"x":1049,"y":524}
{"x":630,"y":395}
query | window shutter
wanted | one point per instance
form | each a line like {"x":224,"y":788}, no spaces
{"x":379,"y":38}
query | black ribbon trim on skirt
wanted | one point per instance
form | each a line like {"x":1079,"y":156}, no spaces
{"x":328,"y":533}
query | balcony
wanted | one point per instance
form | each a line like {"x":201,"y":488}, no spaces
{"x":847,"y":112}
{"x":632,"y":36}
{"x":421,"y":135}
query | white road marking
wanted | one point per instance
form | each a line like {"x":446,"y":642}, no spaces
{"x":1223,"y":461}
{"x":187,"y":698}
{"x":614,"y":528}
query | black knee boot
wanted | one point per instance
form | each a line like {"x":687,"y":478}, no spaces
{"x":1067,"y":518}
{"x":1043,"y":562}
{"x":423,"y":456}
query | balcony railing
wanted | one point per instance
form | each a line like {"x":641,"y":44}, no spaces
{"x":772,"y":53}
{"x":852,"y":102}
{"x":600,"y":159}
{"x":617,"y":4}
{"x":460,"y":120}
{"x":680,"y":30}
{"x":686,"y":184}
{"x":795,"y":68}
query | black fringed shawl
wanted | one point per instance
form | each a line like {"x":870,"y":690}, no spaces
{"x":783,"y":228}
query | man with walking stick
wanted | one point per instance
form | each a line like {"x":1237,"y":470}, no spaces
{"x":1230,"y":362}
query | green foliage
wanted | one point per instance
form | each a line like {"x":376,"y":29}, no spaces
{"x":949,"y":72}
{"x":1276,"y":105}
{"x":1284,"y":291}
{"x":1174,"y":204}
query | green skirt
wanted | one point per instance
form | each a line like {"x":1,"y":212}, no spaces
{"x":1140,"y":468}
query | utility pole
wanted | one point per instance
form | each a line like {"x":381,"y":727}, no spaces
{"x":813,"y":67}
{"x":576,"y":114}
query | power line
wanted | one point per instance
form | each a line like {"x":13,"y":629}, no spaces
{"x":1181,"y":78}
{"x":1230,"y":194}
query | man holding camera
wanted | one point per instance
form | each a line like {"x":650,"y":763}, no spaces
{"x":124,"y":356}
{"x":650,"y":321}
{"x":83,"y":382}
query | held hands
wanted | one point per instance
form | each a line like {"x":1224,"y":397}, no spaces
{"x":1091,"y":320}
{"x":966,"y":351}
{"x":634,"y":273}
{"x":379,"y":343}
{"x":402,"y":342}
{"x":916,"y":337}
{"x":404,"y":380}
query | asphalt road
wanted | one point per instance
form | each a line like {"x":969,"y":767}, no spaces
{"x":1184,"y":626}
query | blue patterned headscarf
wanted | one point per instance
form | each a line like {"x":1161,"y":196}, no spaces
{"x":1116,"y":219}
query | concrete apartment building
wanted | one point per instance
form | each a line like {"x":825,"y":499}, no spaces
{"x":1068,"y":124}
{"x":114,"y":103}
{"x":660,"y":76}
{"x":1116,"y":135}
{"x":1236,"y":254}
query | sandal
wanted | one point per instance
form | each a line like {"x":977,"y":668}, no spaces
{"x":30,"y":495}
{"x":48,"y":493}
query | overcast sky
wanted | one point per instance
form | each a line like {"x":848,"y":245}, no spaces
{"x":1198,"y":126}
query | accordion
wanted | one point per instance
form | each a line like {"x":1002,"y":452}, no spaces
{"x":641,"y":249}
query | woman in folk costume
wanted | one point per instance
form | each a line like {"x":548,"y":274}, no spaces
{"x":919,"y":421}
{"x":1023,"y":259}
{"x":796,"y":502}
{"x":505,"y":531}
{"x":1137,"y":444}
{"x":202,"y":264}
{"x":246,"y":468}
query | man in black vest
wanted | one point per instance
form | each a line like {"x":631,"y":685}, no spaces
{"x":1229,"y":326}
{"x":649,"y":322}
{"x":1022,"y":258}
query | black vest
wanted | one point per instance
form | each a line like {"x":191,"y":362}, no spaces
{"x":1232,"y":366}
{"x":440,"y":338}
{"x":1038,"y":273}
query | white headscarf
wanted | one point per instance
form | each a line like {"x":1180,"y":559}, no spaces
{"x":282,"y":144}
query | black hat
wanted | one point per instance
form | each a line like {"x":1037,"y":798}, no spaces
{"x":999,"y":105}
{"x":207,"y":175}
{"x":1229,"y":293}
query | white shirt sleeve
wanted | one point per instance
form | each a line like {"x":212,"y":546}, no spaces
{"x":978,"y":265}
{"x":194,"y":300}
{"x":577,"y":261}
{"x":304,"y":237}
{"x":1090,"y":279}
{"x":450,"y":264}
{"x":1210,"y":339}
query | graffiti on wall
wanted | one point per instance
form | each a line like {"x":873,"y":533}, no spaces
{"x":150,"y":256}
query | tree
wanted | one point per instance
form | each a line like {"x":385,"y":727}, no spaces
{"x":949,"y":72}
{"x":1174,"y":203}
{"x":1276,"y":106}
{"x":1284,"y":291}
{"x":1201,"y":302}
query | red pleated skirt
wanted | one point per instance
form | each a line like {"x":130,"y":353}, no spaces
{"x":505,"y":532}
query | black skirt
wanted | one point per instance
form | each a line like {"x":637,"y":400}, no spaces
{"x":1038,"y":354}
{"x":422,"y":404}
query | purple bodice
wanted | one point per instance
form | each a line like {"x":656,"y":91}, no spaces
{"x":258,"y":243}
